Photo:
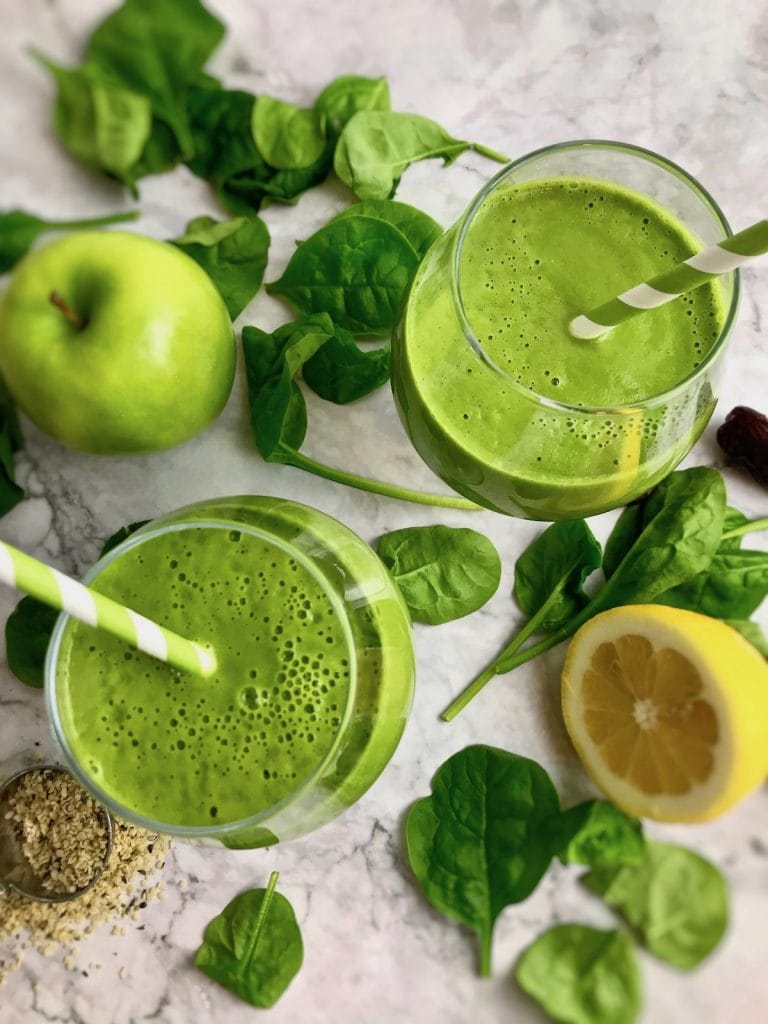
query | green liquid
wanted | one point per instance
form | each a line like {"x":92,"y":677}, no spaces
{"x":535,"y":256}
{"x":185,"y":751}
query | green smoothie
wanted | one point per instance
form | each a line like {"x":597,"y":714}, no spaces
{"x":503,"y":422}
{"x":308,"y":690}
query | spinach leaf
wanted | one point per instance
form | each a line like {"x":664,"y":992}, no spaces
{"x":29,"y":626}
{"x":157,"y":48}
{"x":582,"y":975}
{"x":479,"y":842}
{"x":356,"y":269}
{"x":288,"y":137}
{"x":417,"y":226}
{"x":10,"y":442}
{"x":625,"y":532}
{"x":272,"y":361}
{"x":161,"y":153}
{"x":550,"y":573}
{"x":27,"y":632}
{"x":376,"y":146}
{"x":20,"y":230}
{"x":672,"y":538}
{"x":253,"y":948}
{"x":675,"y":901}
{"x":443,"y":573}
{"x":751,"y":632}
{"x":342,"y":372}
{"x":733,"y":586}
{"x":103,"y":124}
{"x":220,"y":123}
{"x":232,"y":252}
{"x":279,"y":412}
{"x":342,"y":98}
{"x":598,"y":834}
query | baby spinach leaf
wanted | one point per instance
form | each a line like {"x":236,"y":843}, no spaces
{"x":598,"y":834}
{"x":29,"y":626}
{"x":102,"y":123}
{"x":232,"y":252}
{"x":220,"y":123}
{"x":157,"y":48}
{"x":253,"y":948}
{"x":161,"y":153}
{"x":479,"y":842}
{"x":582,"y":975}
{"x":417,"y":226}
{"x":342,"y":98}
{"x":752,"y":632}
{"x":279,"y":412}
{"x":442,"y":572}
{"x":10,"y":442}
{"x":625,"y":532}
{"x":376,"y":146}
{"x":20,"y":230}
{"x":550,"y":573}
{"x":356,"y":269}
{"x":733,"y":586}
{"x":342,"y":372}
{"x":288,"y":137}
{"x":27,"y":633}
{"x":675,"y":901}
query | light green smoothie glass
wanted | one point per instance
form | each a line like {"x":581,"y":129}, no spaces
{"x":471,"y":413}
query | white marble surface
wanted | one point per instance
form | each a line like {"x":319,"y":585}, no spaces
{"x":689,"y":79}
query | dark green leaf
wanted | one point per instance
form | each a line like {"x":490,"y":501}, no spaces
{"x":253,"y":948}
{"x":598,"y":834}
{"x":752,"y":632}
{"x":220,"y":122}
{"x":582,"y":975}
{"x":278,"y":410}
{"x":356,"y":269}
{"x":442,"y":572}
{"x":10,"y":442}
{"x":733,"y":586}
{"x":120,"y":535}
{"x":479,"y":842}
{"x":625,"y":532}
{"x":160,"y":154}
{"x":27,"y":633}
{"x":19,"y":231}
{"x":102,"y":123}
{"x":376,"y":146}
{"x":232,"y":252}
{"x":675,"y":901}
{"x":288,"y":137}
{"x":417,"y":226}
{"x":550,"y":573}
{"x":157,"y":48}
{"x":681,"y":525}
{"x":733,"y":521}
{"x":285,"y":186}
{"x":342,"y":98}
{"x":342,"y":372}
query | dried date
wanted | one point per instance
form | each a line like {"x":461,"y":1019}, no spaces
{"x":744,"y":439}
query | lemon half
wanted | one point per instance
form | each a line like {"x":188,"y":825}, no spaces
{"x":668,"y":711}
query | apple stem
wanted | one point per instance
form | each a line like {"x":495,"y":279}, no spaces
{"x":74,"y":318}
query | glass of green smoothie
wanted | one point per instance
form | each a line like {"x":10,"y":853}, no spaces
{"x":497,"y":396}
{"x":313,"y":686}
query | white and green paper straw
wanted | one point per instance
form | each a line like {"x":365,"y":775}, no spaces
{"x":691,"y":273}
{"x":53,"y":588}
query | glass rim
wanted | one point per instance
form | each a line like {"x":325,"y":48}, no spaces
{"x":214,"y":830}
{"x":530,"y":394}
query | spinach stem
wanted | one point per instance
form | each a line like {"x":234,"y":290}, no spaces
{"x":751,"y":527}
{"x":94,"y":222}
{"x":341,"y":476}
{"x":532,"y":626}
{"x":485,"y":954}
{"x":491,"y":154}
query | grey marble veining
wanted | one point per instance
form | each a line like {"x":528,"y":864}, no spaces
{"x":689,"y":79}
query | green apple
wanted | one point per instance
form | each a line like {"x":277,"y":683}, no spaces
{"x":114,"y":343}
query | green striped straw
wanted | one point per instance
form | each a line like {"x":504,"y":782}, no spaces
{"x":53,"y":588}
{"x":691,"y":273}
